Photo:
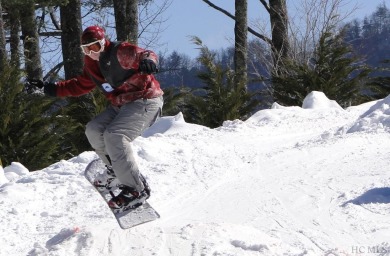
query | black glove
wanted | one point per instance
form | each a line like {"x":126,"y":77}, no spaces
{"x":148,"y":66}
{"x":49,"y":88}
{"x":36,"y":82}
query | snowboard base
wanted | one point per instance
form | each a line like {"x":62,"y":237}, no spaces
{"x":126,"y":219}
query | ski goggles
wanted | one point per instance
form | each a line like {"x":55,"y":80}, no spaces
{"x":94,"y":47}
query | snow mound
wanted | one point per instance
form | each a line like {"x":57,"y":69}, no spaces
{"x":17,"y":168}
{"x":318,"y":100}
{"x":276,"y":105}
{"x":3,"y":179}
{"x":14,"y":171}
{"x":172,"y":125}
{"x":318,"y":115}
{"x":314,"y":103}
{"x":377,"y":118}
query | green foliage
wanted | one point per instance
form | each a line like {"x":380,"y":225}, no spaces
{"x":333,"y":70}
{"x":174,"y":100}
{"x":81,"y":110}
{"x":379,"y":85}
{"x":31,"y":131}
{"x":221,"y":98}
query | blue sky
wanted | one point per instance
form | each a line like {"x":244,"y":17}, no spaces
{"x":194,"y":17}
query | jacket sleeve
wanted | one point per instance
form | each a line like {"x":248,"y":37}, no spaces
{"x":129,"y":56}
{"x":81,"y":84}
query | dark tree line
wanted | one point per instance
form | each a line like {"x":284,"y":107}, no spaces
{"x":370,"y":37}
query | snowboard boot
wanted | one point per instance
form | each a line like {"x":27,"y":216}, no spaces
{"x":103,"y":182}
{"x":146,"y":186}
{"x":127,"y":199}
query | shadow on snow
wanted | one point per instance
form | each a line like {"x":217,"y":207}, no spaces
{"x":372,"y":196}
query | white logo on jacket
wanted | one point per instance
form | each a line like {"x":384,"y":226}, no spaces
{"x":107,"y":87}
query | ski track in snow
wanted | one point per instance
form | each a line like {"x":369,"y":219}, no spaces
{"x":288,"y":181}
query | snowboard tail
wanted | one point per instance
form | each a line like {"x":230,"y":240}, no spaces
{"x":126,"y":219}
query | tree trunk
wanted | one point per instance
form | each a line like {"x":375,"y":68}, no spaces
{"x":120,"y":19}
{"x":132,"y":20}
{"x":3,"y":53}
{"x":241,"y":42}
{"x":30,"y":37}
{"x":126,"y":20}
{"x":70,"y":38}
{"x":279,"y":28}
{"x":14,"y":35}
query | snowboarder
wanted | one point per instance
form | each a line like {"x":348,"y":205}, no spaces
{"x":124,"y":73}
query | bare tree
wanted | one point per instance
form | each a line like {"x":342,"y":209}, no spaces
{"x":137,"y":21}
{"x":241,"y":42}
{"x":279,"y":20}
{"x":54,"y":21}
{"x":70,"y":38}
{"x":14,"y":25}
{"x":126,"y":20}
{"x":312,"y":19}
{"x":151,"y":21}
{"x":277,"y":10}
{"x":30,"y":36}
{"x":3,"y":53}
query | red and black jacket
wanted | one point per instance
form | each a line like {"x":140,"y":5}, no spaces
{"x":116,"y":74}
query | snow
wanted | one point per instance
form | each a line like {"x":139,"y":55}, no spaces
{"x":14,"y":171}
{"x":3,"y":179}
{"x":319,"y":100}
{"x":310,"y":180}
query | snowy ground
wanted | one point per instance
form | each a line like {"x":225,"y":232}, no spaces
{"x":288,"y":181}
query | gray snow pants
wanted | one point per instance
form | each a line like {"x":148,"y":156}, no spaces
{"x":111,"y":132}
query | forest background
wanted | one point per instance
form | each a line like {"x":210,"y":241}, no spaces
{"x":287,"y":59}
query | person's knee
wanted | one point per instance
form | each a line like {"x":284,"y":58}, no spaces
{"x":116,"y":144}
{"x":113,"y":138}
{"x":91,"y":129}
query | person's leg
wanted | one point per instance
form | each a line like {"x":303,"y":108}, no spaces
{"x":95,"y":130}
{"x":132,"y":119}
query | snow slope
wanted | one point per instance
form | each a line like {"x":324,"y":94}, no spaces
{"x":288,"y":181}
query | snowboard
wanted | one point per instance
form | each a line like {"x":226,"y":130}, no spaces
{"x":127,"y":219}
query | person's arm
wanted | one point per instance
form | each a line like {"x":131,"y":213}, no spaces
{"x":133,"y":57}
{"x":79,"y":85}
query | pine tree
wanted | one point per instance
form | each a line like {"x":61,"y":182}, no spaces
{"x":333,"y":70}
{"x":221,"y":97}
{"x":31,"y":132}
{"x":174,"y":100}
{"x":81,"y":110}
{"x":379,"y":84}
